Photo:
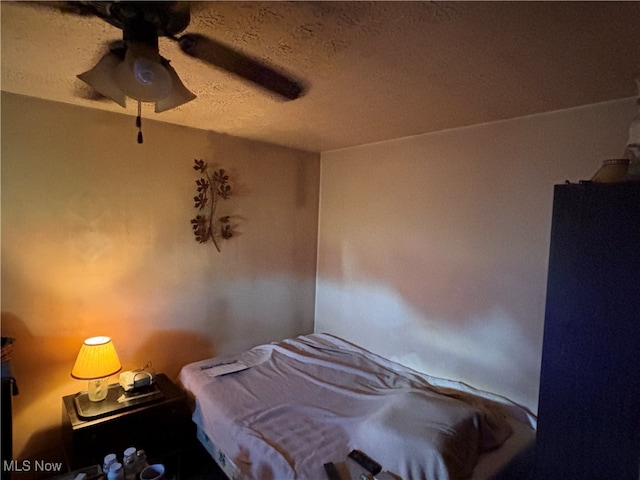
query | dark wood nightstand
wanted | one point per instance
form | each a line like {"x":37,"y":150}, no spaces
{"x":160,"y":425}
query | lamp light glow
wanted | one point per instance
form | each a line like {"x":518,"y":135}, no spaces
{"x":141,"y":76}
{"x":97,"y":360}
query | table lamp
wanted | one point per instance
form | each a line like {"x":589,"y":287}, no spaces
{"x":96,"y":362}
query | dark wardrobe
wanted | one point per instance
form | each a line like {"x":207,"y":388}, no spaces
{"x":589,"y":401}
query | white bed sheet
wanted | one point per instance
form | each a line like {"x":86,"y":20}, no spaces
{"x":310,"y":400}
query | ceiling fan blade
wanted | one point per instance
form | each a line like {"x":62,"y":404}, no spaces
{"x":168,"y":17}
{"x":222,"y":56}
{"x":77,"y":8}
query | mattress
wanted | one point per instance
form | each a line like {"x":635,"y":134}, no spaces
{"x":306,"y":401}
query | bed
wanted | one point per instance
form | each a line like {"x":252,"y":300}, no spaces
{"x":292,"y":406}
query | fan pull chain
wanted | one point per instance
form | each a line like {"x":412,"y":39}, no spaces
{"x":139,"y":122}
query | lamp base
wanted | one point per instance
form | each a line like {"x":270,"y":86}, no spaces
{"x":98,"y":389}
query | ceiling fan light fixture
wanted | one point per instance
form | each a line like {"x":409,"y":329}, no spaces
{"x":102,"y":78}
{"x":179,"y":94}
{"x":141,"y":75}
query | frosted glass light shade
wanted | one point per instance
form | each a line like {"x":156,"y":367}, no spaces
{"x":141,"y":76}
{"x":179,"y":94}
{"x":102,"y":78}
{"x":96,"y":359}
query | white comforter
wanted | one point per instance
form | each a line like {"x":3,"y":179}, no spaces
{"x":310,"y":400}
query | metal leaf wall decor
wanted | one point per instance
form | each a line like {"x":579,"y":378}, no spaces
{"x":212,"y":187}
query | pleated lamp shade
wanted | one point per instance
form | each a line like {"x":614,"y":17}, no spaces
{"x":97,"y":359}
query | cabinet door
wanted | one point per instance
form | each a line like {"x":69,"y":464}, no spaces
{"x":157,"y":429}
{"x":589,"y":404}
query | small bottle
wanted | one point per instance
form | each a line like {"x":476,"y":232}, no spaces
{"x":129,"y":463}
{"x":109,"y":460}
{"x":141,"y":462}
{"x":115,"y":472}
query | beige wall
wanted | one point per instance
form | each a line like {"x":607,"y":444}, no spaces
{"x":96,"y":239}
{"x":433,"y":249}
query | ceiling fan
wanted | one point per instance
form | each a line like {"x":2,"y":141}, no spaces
{"x":134,"y":68}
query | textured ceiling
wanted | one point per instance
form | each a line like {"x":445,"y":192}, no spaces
{"x":374,"y":70}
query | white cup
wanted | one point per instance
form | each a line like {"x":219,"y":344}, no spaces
{"x":152,"y":472}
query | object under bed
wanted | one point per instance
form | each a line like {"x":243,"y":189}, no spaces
{"x":310,"y":400}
